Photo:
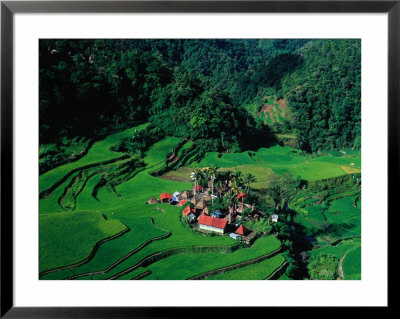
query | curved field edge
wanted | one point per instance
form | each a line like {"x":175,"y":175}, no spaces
{"x":278,"y":272}
{"x":47,"y":191}
{"x":95,"y":248}
{"x":262,"y":270}
{"x":99,"y":152}
{"x":53,"y":231}
{"x":352,"y":264}
{"x":62,"y":274}
{"x":184,"y":266}
{"x":155,"y":257}
{"x":119,"y":261}
{"x":236,"y":266}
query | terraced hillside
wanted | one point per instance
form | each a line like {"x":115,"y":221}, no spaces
{"x":279,"y":160}
{"x":95,"y":222}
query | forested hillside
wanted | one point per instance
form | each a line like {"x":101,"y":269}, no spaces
{"x":325,"y":95}
{"x":198,"y":89}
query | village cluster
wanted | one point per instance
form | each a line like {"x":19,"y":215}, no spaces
{"x":198,"y":210}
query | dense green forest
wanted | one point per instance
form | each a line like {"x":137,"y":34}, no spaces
{"x":199,"y":88}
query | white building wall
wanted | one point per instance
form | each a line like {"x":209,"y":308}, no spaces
{"x":214,"y":229}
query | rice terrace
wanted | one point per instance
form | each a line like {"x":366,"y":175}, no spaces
{"x":200,"y":160}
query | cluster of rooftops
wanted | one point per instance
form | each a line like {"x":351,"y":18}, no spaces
{"x":199,"y":216}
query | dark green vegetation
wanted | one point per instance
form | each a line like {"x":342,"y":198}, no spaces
{"x":122,"y":121}
{"x":204,"y":90}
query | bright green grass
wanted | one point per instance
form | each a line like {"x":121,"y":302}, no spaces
{"x":63,"y":240}
{"x":352,"y":261}
{"x":180,"y":237}
{"x":50,"y":205}
{"x":158,"y":152}
{"x":185,"y":146}
{"x":338,"y":250}
{"x":141,"y":230}
{"x":131,"y":210}
{"x":85,"y":198}
{"x":352,"y":265}
{"x":130,"y":207}
{"x":257,"y":271}
{"x":184,"y":266}
{"x":59,"y":275}
{"x":183,"y":174}
{"x":98,"y":152}
{"x":343,"y":220}
{"x":262,"y":174}
{"x":132,"y":274}
{"x":284,"y":160}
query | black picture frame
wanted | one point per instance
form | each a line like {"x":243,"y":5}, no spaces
{"x":9,"y":8}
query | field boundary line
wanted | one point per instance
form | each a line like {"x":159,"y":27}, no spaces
{"x":48,"y":191}
{"x":277,"y":271}
{"x":340,"y":266}
{"x":142,"y":275}
{"x":157,"y":256}
{"x":236,"y":266}
{"x":87,"y":259}
{"x":116,"y":263}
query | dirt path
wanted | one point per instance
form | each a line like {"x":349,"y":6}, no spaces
{"x":340,"y":268}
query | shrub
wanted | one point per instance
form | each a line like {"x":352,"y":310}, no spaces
{"x":323,"y":267}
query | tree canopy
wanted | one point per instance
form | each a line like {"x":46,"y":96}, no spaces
{"x":199,"y":88}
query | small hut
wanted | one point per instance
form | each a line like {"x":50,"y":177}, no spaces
{"x":201,"y":204}
{"x":195,"y":200}
{"x":243,"y":231}
{"x":186,"y":195}
{"x":152,"y":200}
{"x":165,"y":198}
{"x":198,"y":188}
{"x":240,"y":196}
{"x":240,"y":208}
{"x":186,"y":211}
{"x":182,"y":202}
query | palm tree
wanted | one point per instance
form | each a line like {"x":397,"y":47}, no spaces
{"x":211,"y":172}
{"x":248,"y":179}
{"x":196,"y":176}
{"x":219,"y":184}
{"x":230,"y":198}
{"x":232,"y":195}
{"x":237,"y":175}
{"x":226,"y":176}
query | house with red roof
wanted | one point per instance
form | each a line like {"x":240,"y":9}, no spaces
{"x":198,"y":188}
{"x":242,"y":230}
{"x":241,"y":195}
{"x":217,"y":225}
{"x":182,"y":202}
{"x":186,"y":211}
{"x":165,"y":198}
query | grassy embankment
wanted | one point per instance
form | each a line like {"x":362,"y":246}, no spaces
{"x":131,"y":210}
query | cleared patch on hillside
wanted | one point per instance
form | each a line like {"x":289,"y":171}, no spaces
{"x":180,"y":175}
{"x":350,"y":170}
{"x":273,"y":111}
{"x":260,"y":172}
{"x":282,"y":107}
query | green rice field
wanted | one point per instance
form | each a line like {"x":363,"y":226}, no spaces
{"x":91,"y":230}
